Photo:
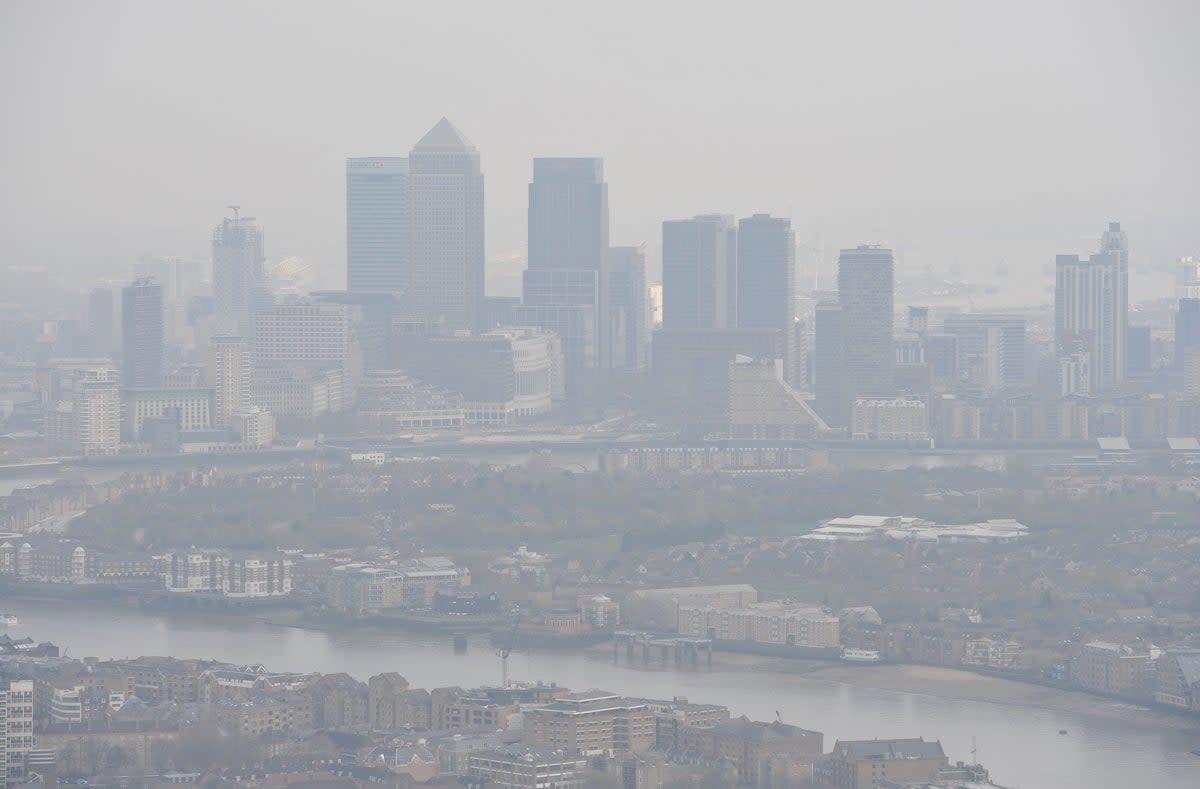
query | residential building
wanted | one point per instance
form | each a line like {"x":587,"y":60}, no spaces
{"x":238,"y":274}
{"x":700,"y":272}
{"x":446,"y":264}
{"x":1177,"y":679}
{"x":229,"y":374}
{"x":142,"y":334}
{"x":385,"y":701}
{"x":301,"y":393}
{"x":16,"y":730}
{"x":594,"y":722}
{"x":764,"y":754}
{"x":1091,"y":308}
{"x":781,"y":624}
{"x":897,"y":419}
{"x":865,"y":764}
{"x":102,"y":322}
{"x":866,"y":287}
{"x":1116,"y":669}
{"x":1047,"y":420}
{"x":372,"y":317}
{"x":216,"y":572}
{"x":265,"y":715}
{"x":253,"y":427}
{"x":763,"y":407}
{"x":659,"y":608}
{"x":377,"y":224}
{"x":512,"y":767}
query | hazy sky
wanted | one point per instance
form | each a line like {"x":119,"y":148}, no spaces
{"x":950,"y":129}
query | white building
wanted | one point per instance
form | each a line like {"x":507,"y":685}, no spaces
{"x":897,"y":419}
{"x":253,"y":426}
{"x":216,"y":572}
{"x":192,"y":408}
{"x":229,"y":373}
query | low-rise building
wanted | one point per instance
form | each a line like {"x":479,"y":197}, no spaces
{"x":594,"y":722}
{"x":764,"y":754}
{"x":526,"y":768}
{"x":865,"y":764}
{"x":898,"y":419}
{"x":764,"y":623}
{"x":1118,"y":669}
{"x":1177,"y":679}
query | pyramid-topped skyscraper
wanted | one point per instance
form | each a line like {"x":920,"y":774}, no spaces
{"x":447,"y":257}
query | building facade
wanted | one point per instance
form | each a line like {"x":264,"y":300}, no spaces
{"x":866,"y":288}
{"x":377,"y":224}
{"x":700,"y":272}
{"x":142,"y":334}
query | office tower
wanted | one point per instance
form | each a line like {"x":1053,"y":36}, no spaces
{"x":102,"y":321}
{"x":142,"y":334}
{"x":700,"y":273}
{"x":377,"y":225}
{"x":829,"y":373}
{"x":691,"y":371}
{"x":230,"y":378}
{"x":766,"y":270}
{"x":306,"y":333}
{"x":238,"y":277}
{"x":1187,"y":278}
{"x":866,"y":285}
{"x":446,"y":274}
{"x":1091,"y":309}
{"x":629,"y":307}
{"x":371,"y":315}
{"x":998,"y":339}
{"x":1139,"y":354}
{"x":568,"y":214}
{"x":1187,"y":329}
{"x":563,"y":289}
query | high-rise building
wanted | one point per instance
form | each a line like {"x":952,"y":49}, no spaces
{"x":230,"y":378}
{"x":446,"y":274}
{"x":998,"y":339}
{"x":1139,"y":354}
{"x":1187,"y":329}
{"x":766,"y":273}
{"x":238,"y":274}
{"x":16,"y":730}
{"x":372,"y":316}
{"x":568,"y":250}
{"x":142,"y":334}
{"x":829,"y":366}
{"x":700,"y":272}
{"x":377,"y":224}
{"x":102,"y":322}
{"x":1091,"y":309}
{"x":629,"y":308}
{"x":866,"y":293}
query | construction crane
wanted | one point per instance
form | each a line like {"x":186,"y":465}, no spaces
{"x":505,"y":651}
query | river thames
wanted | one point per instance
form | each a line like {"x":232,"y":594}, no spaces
{"x":1107,"y":745}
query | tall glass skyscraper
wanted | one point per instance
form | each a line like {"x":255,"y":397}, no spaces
{"x":700,"y":273}
{"x":142,"y":335}
{"x":866,"y":294}
{"x":766,"y":273}
{"x":377,"y":225}
{"x":566,"y":282}
{"x":446,"y":274}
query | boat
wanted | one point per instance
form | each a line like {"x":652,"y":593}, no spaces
{"x":9,"y":620}
{"x":1196,"y":752}
{"x":853,"y":655}
{"x":1062,"y":731}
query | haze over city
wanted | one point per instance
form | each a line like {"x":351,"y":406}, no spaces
{"x":551,"y":395}
{"x":949,"y":131}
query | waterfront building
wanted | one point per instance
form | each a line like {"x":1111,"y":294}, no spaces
{"x":590,"y":722}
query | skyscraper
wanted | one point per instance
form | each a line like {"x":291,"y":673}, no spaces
{"x":142,"y":335}
{"x":1187,"y":329}
{"x":446,"y":275}
{"x":766,"y":273}
{"x":829,"y":363}
{"x":866,"y":293}
{"x":102,"y":323}
{"x":567,"y":275}
{"x":377,"y":225}
{"x":238,"y":273}
{"x":629,"y":308}
{"x":1091,"y":309}
{"x":700,"y":272}
{"x":230,"y":378}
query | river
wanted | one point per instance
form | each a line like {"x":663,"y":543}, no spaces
{"x":1107,"y":746}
